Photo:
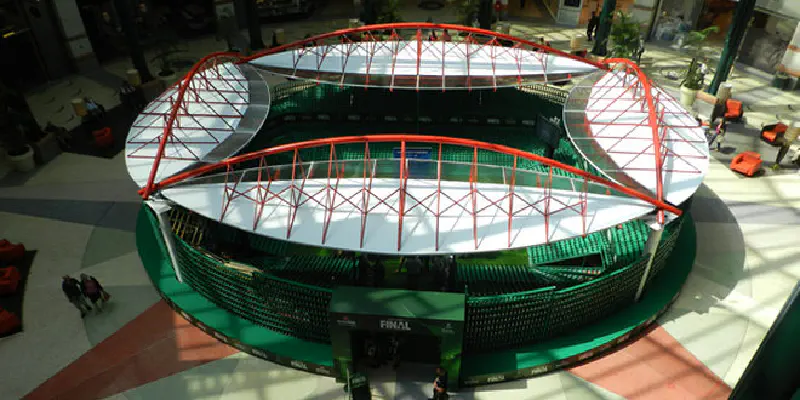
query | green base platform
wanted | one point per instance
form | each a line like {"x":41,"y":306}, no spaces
{"x":593,"y":339}
{"x":476,"y":369}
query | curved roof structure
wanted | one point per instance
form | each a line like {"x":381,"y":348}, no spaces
{"x":404,"y":205}
{"x":423,"y":64}
{"x":334,"y":216}
{"x":653,"y":144}
{"x":645,"y":144}
{"x":210,"y":115}
{"x":421,"y":56}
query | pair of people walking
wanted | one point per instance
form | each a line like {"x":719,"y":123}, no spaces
{"x":83,"y":292}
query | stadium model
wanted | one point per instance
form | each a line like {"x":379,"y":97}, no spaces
{"x":561,"y":209}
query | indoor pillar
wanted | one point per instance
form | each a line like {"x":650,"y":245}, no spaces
{"x":77,"y":42}
{"x":125,"y":12}
{"x":736,"y":31}
{"x":791,"y":59}
{"x":161,"y":209}
{"x":254,"y":26}
{"x":601,"y":37}
{"x":653,"y":239}
{"x":644,"y":11}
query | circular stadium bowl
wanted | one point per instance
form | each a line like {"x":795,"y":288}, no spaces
{"x":262,"y":239}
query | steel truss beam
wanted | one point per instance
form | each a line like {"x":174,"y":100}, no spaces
{"x":365,"y":201}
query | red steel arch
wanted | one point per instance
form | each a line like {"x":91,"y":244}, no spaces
{"x":232,"y":189}
{"x":477,"y":35}
{"x":652,"y":121}
{"x":183,"y":87}
{"x":410,"y":138}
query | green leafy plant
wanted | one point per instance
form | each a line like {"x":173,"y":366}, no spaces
{"x":166,"y":50}
{"x":695,"y":39}
{"x":11,"y":136}
{"x":625,"y":36}
{"x":15,"y":121}
{"x":389,"y":12}
{"x":695,"y":78}
{"x":466,"y":11}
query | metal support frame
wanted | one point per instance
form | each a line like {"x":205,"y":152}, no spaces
{"x":294,"y":194}
{"x":161,"y":208}
{"x":200,"y":80}
{"x":195,"y":86}
{"x":651,"y":247}
{"x":204,"y":79}
{"x":320,"y":47}
{"x":625,"y":90}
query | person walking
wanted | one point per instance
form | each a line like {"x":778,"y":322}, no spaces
{"x":93,"y":291}
{"x":594,"y":22}
{"x":718,"y":134}
{"x":440,"y":384}
{"x":72,"y":289}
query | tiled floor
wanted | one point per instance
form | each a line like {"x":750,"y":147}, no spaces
{"x":78,"y":213}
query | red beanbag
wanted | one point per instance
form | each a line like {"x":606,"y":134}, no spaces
{"x":9,"y":322}
{"x":747,"y":163}
{"x":9,"y":280}
{"x":11,"y":252}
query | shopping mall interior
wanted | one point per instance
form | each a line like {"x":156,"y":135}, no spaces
{"x":79,"y":75}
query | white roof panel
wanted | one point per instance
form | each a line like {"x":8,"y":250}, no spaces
{"x":359,"y":62}
{"x":215,"y":106}
{"x":419,"y":224}
{"x":608,"y":120}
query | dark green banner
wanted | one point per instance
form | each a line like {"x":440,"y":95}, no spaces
{"x":407,"y":312}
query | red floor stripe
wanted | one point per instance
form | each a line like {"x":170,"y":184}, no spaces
{"x":156,"y":344}
{"x":654,"y":367}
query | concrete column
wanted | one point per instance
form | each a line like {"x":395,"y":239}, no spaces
{"x":601,"y":38}
{"x":254,"y":26}
{"x":653,"y":239}
{"x":791,"y":59}
{"x":741,"y":21}
{"x":126,"y":12}
{"x":161,"y":208}
{"x":643,"y":12}
{"x":78,"y":46}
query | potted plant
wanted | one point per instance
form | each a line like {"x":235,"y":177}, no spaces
{"x":625,"y":36}
{"x":467,"y":11}
{"x":692,"y":83}
{"x":45,"y":143}
{"x":389,"y":12}
{"x":165,"y":53}
{"x":695,"y":76}
{"x":18,"y":154}
{"x":781,"y":80}
{"x":15,"y":119}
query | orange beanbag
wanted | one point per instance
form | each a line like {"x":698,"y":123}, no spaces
{"x":11,"y":252}
{"x":747,"y":163}
{"x":733,"y":110}
{"x":771,"y":133}
{"x":9,"y":323}
{"x":103,"y":138}
{"x":9,"y":280}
